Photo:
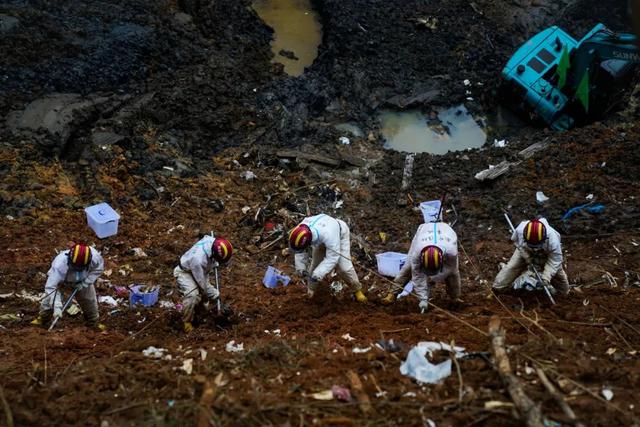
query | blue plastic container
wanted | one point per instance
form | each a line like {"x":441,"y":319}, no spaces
{"x":272,"y":276}
{"x":430,"y":211}
{"x":390,"y":263}
{"x":145,"y":298}
{"x":102,"y":219}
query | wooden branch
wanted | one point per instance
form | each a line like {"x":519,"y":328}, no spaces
{"x":206,"y":401}
{"x":559,"y":398}
{"x":358,"y":391}
{"x":527,"y":408}
{"x":295,"y":154}
{"x":7,"y":409}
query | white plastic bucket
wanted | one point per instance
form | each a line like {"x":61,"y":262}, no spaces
{"x":390,"y":263}
{"x":102,"y":219}
{"x":430,"y":210}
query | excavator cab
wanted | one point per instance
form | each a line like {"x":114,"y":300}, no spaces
{"x":531,"y":81}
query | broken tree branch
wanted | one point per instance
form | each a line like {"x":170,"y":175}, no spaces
{"x":527,"y":408}
{"x":358,"y":391}
{"x":559,"y":398}
{"x":7,"y":409}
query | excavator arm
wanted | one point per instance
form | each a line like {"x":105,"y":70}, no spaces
{"x":603,"y":45}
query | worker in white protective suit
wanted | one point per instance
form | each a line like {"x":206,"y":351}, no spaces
{"x":78,"y":267}
{"x":538,"y":244}
{"x":192,"y":274}
{"x":432,"y":258}
{"x":331,"y":250}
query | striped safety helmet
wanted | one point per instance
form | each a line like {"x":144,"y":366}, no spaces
{"x":80,"y":256}
{"x":431,"y":258}
{"x":221,"y":250}
{"x":300,"y":237}
{"x":535,"y":233}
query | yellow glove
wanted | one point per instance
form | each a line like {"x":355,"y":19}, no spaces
{"x":360,"y":297}
{"x":188,"y":327}
{"x":389,"y":299}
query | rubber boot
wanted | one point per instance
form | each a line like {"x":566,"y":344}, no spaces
{"x":97,"y":326}
{"x":38,"y":321}
{"x":187,"y":327}
{"x":389,"y":299}
{"x":360,"y":297}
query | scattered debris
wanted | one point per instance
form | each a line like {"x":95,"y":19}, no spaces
{"x":590,"y":208}
{"x":341,"y":393}
{"x":361,"y":350}
{"x":10,"y":316}
{"x":109,"y":300}
{"x":500,"y":144}
{"x":541,"y":198}
{"x":139,"y":253}
{"x":323,"y":395}
{"x":248,"y":176}
{"x":348,"y":337}
{"x":344,"y":140}
{"x":607,"y":393}
{"x":419,"y":368}
{"x":232,"y":347}
{"x":187,"y":366}
{"x":273,"y":276}
{"x":156,"y":353}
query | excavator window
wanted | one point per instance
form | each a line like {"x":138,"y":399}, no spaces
{"x":546,"y":56}
{"x":536,"y":65}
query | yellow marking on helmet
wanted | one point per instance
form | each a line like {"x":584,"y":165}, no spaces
{"x":299,"y":237}
{"x":86,"y":256}
{"x":435,"y":259}
{"x":224,"y":248}
{"x":540,"y":232}
{"x":76,"y":250}
{"x":528,"y":231}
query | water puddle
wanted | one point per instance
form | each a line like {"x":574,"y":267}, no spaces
{"x":297,"y":32}
{"x":453,"y":129}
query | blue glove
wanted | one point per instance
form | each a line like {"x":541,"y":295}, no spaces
{"x":423,"y":306}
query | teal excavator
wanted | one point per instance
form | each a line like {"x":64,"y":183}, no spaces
{"x":564,"y":82}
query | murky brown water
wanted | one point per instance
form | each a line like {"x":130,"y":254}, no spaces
{"x":453,"y":129}
{"x":296,"y":29}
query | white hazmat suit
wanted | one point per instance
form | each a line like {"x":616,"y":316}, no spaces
{"x":547,"y":259}
{"x":192,"y":276}
{"x":331,"y":250}
{"x":432,"y":234}
{"x":61,"y":275}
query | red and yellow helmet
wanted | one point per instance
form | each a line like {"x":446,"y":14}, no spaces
{"x":300,"y":237}
{"x":221,"y":250}
{"x":432,"y":259}
{"x":79,"y":256}
{"x":535,"y":233}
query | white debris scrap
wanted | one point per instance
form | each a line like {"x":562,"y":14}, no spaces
{"x":109,"y":300}
{"x":187,"y":366}
{"x":156,"y":353}
{"x":466,"y":82}
{"x":248,"y":175}
{"x":361,"y":350}
{"x":139,"y":253}
{"x":418,"y":367}
{"x":541,"y":197}
{"x":344,"y":140}
{"x":607,"y":393}
{"x":166,"y":304}
{"x":500,"y":144}
{"x":589,"y":197}
{"x":232,"y":347}
{"x":348,"y":337}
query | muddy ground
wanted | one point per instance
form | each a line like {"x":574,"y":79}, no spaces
{"x":160,"y":108}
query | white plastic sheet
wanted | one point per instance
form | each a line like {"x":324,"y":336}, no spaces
{"x":419,"y":368}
